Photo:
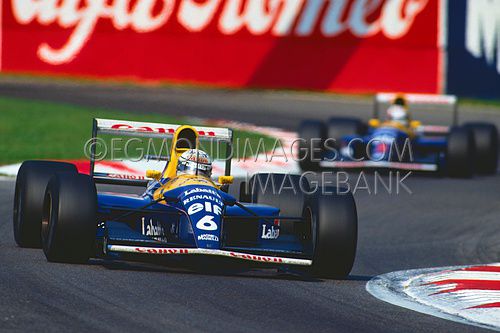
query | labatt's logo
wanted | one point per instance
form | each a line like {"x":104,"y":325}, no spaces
{"x":154,"y":230}
{"x":276,"y":17}
{"x":269,"y":233}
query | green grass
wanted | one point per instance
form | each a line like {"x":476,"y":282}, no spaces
{"x":45,"y":130}
{"x":481,"y":102}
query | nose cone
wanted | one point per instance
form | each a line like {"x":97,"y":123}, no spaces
{"x":380,"y":151}
{"x":207,"y":231}
{"x":204,"y":206}
{"x":387,"y":144}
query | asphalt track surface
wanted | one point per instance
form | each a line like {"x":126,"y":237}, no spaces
{"x":443,"y":222}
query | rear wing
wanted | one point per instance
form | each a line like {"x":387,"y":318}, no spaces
{"x":149,"y":130}
{"x":417,"y":99}
{"x":135,"y":128}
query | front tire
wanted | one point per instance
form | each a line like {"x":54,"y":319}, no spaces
{"x":335,"y":233}
{"x":31,"y":182}
{"x":69,"y":219}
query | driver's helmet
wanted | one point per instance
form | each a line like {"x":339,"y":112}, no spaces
{"x":398,"y":111}
{"x":194,"y":162}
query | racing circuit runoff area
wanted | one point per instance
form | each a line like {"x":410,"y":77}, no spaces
{"x":440,"y":222}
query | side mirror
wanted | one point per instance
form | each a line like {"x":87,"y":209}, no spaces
{"x":374,"y":122}
{"x":415,"y":124}
{"x":154,"y":174}
{"x":226,"y":180}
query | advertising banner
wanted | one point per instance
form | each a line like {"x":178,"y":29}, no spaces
{"x":474,"y":48}
{"x":339,"y":45}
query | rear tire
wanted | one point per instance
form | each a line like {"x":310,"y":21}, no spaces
{"x":460,"y":153}
{"x":486,"y":147}
{"x":31,"y":182}
{"x":312,"y":134}
{"x":245,"y":195}
{"x":335,"y":233}
{"x":69,"y":219}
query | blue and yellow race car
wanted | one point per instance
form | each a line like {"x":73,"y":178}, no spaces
{"x":279,"y":220}
{"x":399,"y":142}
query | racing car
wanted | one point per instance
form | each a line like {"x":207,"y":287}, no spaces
{"x":285,"y":225}
{"x":399,"y":142}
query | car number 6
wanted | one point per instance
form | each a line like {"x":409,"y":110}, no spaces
{"x":206,"y":223}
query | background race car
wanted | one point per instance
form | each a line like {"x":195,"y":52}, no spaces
{"x":381,"y":143}
{"x":280,"y":220}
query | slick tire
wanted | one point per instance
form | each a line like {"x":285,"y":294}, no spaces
{"x":312,"y":134}
{"x":245,"y":195}
{"x":486,"y":147}
{"x":31,"y":182}
{"x":69,"y":218}
{"x":334,"y":229}
{"x":460,"y":153}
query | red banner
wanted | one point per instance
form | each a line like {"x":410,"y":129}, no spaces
{"x":340,"y":45}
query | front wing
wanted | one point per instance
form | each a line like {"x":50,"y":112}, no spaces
{"x":380,"y":165}
{"x":208,"y":252}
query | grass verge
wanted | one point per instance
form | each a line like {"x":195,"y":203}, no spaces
{"x":44,"y":130}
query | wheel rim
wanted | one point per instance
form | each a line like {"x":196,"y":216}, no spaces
{"x":46,"y":216}
{"x":309,"y":231}
{"x":18,"y":208}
